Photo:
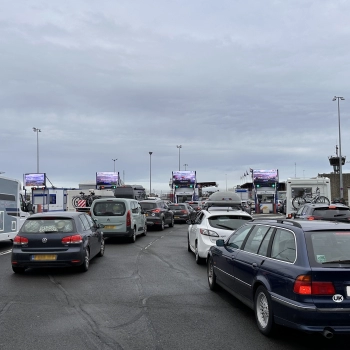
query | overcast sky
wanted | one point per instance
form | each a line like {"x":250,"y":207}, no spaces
{"x":239,"y":84}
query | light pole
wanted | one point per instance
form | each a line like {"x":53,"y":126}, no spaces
{"x":226,"y":182}
{"x":150,"y":172}
{"x":37,"y":148}
{"x":340,"y":156}
{"x":179,"y":147}
{"x":114,"y":162}
{"x":185,"y":165}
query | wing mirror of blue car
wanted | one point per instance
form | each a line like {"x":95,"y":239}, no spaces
{"x":220,"y":242}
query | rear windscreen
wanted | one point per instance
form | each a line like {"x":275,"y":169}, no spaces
{"x":148,"y":206}
{"x":109,"y":208}
{"x":339,"y":213}
{"x":48,"y":225}
{"x":177,"y":207}
{"x":227,"y":222}
{"x":328,"y":246}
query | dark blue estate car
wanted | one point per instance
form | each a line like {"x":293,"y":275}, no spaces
{"x":296,"y":274}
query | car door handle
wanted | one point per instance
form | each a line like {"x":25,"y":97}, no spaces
{"x":255,"y":265}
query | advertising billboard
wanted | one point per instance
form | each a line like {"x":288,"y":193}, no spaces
{"x":35,"y":180}
{"x":185,"y":177}
{"x":265,"y":175}
{"x":107,"y":178}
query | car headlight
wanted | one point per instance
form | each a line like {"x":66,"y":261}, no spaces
{"x":206,"y":232}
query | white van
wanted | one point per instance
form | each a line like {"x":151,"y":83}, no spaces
{"x":121,"y":217}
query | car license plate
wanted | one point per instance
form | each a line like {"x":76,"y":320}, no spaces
{"x":44,"y":257}
{"x":348,"y":291}
{"x":109,"y":227}
{"x":177,"y":217}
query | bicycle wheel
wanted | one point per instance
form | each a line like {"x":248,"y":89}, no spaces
{"x":322,"y":199}
{"x":298,"y":201}
{"x":75,"y":201}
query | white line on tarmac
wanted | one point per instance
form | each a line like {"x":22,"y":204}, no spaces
{"x":6,"y":252}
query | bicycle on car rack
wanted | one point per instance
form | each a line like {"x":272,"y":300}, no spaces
{"x":309,"y":198}
{"x":87,"y":198}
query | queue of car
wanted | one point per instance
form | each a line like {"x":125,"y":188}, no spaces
{"x":290,"y":272}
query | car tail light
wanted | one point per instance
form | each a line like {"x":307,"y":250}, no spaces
{"x":184,"y":211}
{"x":128,"y":218}
{"x":156,"y":211}
{"x":206,"y":232}
{"x":19,"y":240}
{"x":305,"y":286}
{"x":75,"y":239}
{"x":311,"y":218}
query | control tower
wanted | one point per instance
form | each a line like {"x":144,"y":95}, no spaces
{"x":334,"y":161}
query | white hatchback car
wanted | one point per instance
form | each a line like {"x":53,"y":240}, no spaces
{"x":210,"y":225}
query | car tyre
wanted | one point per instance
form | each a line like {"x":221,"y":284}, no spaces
{"x":133,"y":236}
{"x":199,"y":260}
{"x":144,"y":230}
{"x":102,"y":248}
{"x":263,"y":311}
{"x":162,"y":225}
{"x":171,"y":224}
{"x":85,"y":265}
{"x":188,"y":244}
{"x":17,"y":269}
{"x":211,"y":274}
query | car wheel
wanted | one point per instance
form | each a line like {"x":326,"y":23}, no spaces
{"x":144,"y":230}
{"x":85,"y":265}
{"x":17,"y":269}
{"x":133,"y":236}
{"x":188,"y":244}
{"x":162,"y":225}
{"x":199,"y":260}
{"x":211,"y":274}
{"x":263,"y":311}
{"x":171,"y":224}
{"x":102,"y":248}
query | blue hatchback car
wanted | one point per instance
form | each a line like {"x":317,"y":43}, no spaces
{"x":291,"y":273}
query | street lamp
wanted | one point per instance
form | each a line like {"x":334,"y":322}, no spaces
{"x":340,"y":156}
{"x":185,"y":165}
{"x":226,"y":182}
{"x":150,"y":172}
{"x":37,"y":148}
{"x":179,"y":147}
{"x":114,"y":162}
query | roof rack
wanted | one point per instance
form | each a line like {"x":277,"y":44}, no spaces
{"x":282,"y":221}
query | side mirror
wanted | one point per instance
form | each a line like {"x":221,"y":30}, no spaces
{"x":142,"y":211}
{"x":33,"y":209}
{"x":189,"y":222}
{"x":220,"y":243}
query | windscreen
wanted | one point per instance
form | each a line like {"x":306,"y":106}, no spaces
{"x":46,"y":225}
{"x":227,"y":222}
{"x":111,"y":208}
{"x":328,"y":246}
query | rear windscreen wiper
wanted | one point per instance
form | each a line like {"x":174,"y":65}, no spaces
{"x":337,"y":262}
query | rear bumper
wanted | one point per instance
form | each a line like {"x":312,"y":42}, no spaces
{"x":309,"y":318}
{"x":128,"y":233}
{"x":63,"y":258}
